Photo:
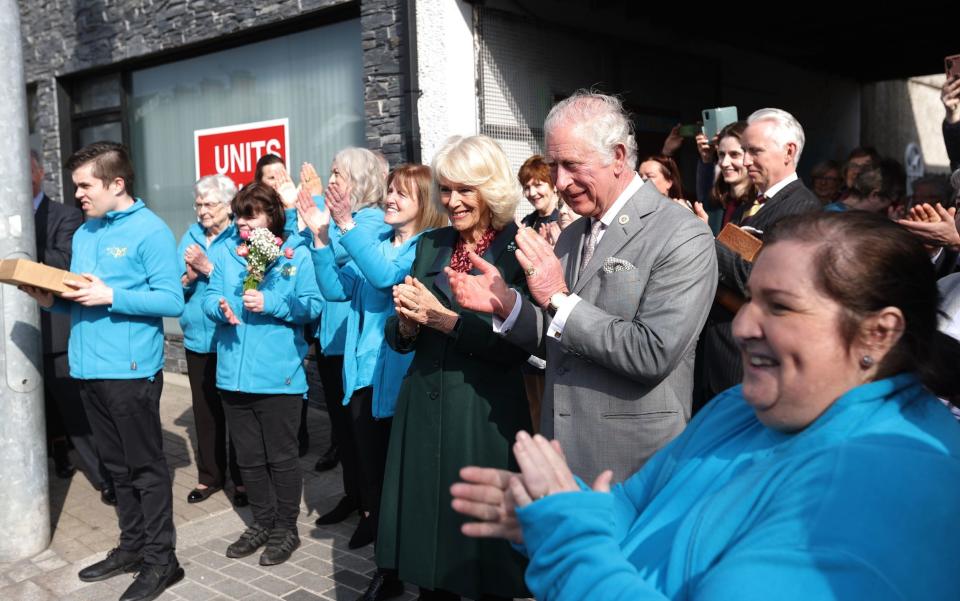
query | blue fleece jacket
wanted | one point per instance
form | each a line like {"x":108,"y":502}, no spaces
{"x":332,"y":331}
{"x":198,"y":329}
{"x":367,"y":282}
{"x":265,"y":352}
{"x":134,"y":252}
{"x":860,"y":504}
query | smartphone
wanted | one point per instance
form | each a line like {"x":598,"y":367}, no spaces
{"x":689,"y":131}
{"x":716,"y":119}
{"x":951,"y":65}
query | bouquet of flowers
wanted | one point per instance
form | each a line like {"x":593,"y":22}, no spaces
{"x":260,"y":248}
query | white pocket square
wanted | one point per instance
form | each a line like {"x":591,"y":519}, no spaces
{"x":613,"y":265}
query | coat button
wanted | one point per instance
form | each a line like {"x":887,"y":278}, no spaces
{"x":434,"y":395}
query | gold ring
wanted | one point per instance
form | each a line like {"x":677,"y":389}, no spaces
{"x":531,"y":272}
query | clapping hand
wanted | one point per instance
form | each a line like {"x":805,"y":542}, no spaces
{"x":934,"y":225}
{"x":315,"y":218}
{"x":195,"y":258}
{"x":286,"y":189}
{"x":543,"y":269}
{"x":338,"y":203}
{"x":228,"y":313}
{"x":699,"y":211}
{"x":415,"y":303}
{"x":310,"y":180}
{"x":486,"y":293}
{"x":492,"y":496}
{"x":550,"y":231}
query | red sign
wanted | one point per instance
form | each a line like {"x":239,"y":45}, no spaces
{"x":235,"y":149}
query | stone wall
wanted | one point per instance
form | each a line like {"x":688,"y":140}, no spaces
{"x":66,"y":38}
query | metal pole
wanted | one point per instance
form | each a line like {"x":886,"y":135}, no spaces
{"x":24,"y":495}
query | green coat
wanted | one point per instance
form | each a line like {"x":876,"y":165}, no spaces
{"x":461,"y":403}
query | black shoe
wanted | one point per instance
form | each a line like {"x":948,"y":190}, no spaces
{"x":329,"y":459}
{"x":201,"y":494}
{"x":280,"y":546}
{"x":240,"y":499}
{"x":62,"y":466}
{"x":383,"y":585}
{"x":365,"y":533}
{"x":252,"y":539}
{"x":109,"y":496}
{"x":342,"y":511}
{"x":152,"y":580}
{"x":117,"y":561}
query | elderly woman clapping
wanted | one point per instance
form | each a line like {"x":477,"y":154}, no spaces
{"x":212,"y":195}
{"x":833,"y":472}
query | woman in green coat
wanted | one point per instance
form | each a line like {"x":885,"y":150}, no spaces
{"x":462,"y":401}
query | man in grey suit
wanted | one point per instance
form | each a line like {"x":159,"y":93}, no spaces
{"x":619,"y":301}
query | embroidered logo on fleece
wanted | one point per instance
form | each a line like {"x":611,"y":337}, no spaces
{"x":117,"y":251}
{"x":288,"y":270}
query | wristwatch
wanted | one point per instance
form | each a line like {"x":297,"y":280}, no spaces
{"x":557,"y":299}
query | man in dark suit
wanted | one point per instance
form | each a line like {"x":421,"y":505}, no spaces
{"x":772,"y":144}
{"x":55,"y":224}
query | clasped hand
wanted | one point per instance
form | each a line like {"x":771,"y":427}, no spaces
{"x":197,"y":262}
{"x":492,"y":496}
{"x":935,"y":225}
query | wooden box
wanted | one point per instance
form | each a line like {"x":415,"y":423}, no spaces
{"x":31,"y":273}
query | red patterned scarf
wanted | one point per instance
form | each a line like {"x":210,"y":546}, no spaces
{"x":460,"y":260}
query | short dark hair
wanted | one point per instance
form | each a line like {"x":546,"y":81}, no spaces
{"x":255,"y":199}
{"x":887,"y":179}
{"x":535,"y":168}
{"x":267,"y":159}
{"x":110,"y":161}
{"x":865,"y":262}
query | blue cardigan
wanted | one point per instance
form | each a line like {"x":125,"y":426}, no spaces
{"x":859,"y":505}
{"x":264,"y":353}
{"x":332,"y":331}
{"x":134,"y":252}
{"x":198,"y":329}
{"x":367,"y":282}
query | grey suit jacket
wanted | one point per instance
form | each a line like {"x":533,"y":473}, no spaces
{"x":620,"y":379}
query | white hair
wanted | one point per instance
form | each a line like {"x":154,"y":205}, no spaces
{"x":599,"y":119}
{"x":367,"y":179}
{"x":785,"y":129}
{"x":215,"y":187}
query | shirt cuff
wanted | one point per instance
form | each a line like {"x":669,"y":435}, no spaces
{"x":936,"y":256}
{"x":502,"y":326}
{"x":555,"y":330}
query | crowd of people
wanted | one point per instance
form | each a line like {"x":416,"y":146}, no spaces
{"x":763,"y":426}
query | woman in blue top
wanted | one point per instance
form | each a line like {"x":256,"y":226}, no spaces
{"x":372,"y":371}
{"x":833,"y":472}
{"x":212,"y":194}
{"x":357,"y":186}
{"x":260,"y":352}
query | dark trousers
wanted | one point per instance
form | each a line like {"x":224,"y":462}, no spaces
{"x":371,"y":436}
{"x":66,"y":416}
{"x":331,"y":376}
{"x":264,"y":432}
{"x":213,"y":457}
{"x":125,"y":418}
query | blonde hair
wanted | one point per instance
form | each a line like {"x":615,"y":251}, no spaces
{"x":367,"y":180}
{"x":478,"y":161}
{"x":415,"y":182}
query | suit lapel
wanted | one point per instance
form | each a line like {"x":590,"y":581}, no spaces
{"x":627,"y":224}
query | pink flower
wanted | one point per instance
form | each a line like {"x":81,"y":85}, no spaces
{"x":288,"y":253}
{"x":244,"y":234}
{"x":278,"y":241}
{"x":242,"y":250}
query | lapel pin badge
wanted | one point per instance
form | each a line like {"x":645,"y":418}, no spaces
{"x":624,"y":219}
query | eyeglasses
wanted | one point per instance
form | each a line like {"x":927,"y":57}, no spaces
{"x":206,"y":206}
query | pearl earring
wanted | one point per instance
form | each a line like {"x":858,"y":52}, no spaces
{"x":866,"y":362}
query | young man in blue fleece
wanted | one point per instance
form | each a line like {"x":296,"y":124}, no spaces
{"x":128,"y":256}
